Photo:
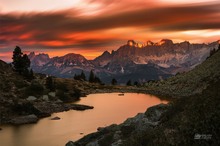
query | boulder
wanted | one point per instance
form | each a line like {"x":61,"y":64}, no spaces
{"x":79,"y":107}
{"x":45,"y":98}
{"x":100,"y":128}
{"x":70,"y":143}
{"x":31,"y":98}
{"x":24,"y":120}
{"x":55,"y":118}
{"x":52,"y":94}
{"x":58,"y":101}
{"x":154,"y":113}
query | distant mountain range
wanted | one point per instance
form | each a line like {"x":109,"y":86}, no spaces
{"x":138,"y":62}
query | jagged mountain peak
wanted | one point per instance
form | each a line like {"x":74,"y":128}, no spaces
{"x":72,"y":56}
{"x":103,"y":59}
{"x":39,"y":59}
{"x":31,"y":55}
{"x":149,"y":43}
{"x":106,"y":53}
{"x":185,"y":42}
{"x":165,"y":42}
{"x":131,"y":43}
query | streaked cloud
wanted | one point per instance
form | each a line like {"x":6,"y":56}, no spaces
{"x":98,"y":25}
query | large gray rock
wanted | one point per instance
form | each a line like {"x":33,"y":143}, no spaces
{"x":45,"y":98}
{"x":55,"y":118}
{"x":70,"y":143}
{"x":52,"y":94}
{"x":31,"y":98}
{"x":24,"y":120}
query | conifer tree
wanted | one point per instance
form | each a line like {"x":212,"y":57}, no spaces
{"x":21,"y":63}
{"x":83,"y":76}
{"x":25,"y":62}
{"x":97,"y":80}
{"x":114,"y":81}
{"x":31,"y":74}
{"x":50,"y":83}
{"x":91,"y":77}
{"x":129,"y":83}
{"x":17,"y":59}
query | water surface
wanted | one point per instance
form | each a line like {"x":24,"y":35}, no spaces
{"x":109,"y":108}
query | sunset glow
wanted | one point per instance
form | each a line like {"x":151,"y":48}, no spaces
{"x":89,"y":27}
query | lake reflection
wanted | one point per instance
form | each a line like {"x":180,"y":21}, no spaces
{"x":109,"y":108}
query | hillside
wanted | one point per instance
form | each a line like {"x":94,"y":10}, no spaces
{"x":192,"y":82}
{"x":192,"y":120}
{"x":25,"y":100}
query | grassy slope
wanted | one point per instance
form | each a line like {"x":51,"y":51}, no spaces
{"x":192,"y":82}
{"x":196,"y":114}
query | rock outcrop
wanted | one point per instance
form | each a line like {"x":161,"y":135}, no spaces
{"x":55,"y":118}
{"x":24,"y":120}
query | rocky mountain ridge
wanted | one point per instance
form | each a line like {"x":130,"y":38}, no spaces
{"x":165,"y":57}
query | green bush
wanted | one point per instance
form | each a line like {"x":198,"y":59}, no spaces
{"x":62,"y":86}
{"x":62,"y":95}
{"x":20,"y":83}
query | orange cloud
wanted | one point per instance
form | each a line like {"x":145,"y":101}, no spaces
{"x":107,"y":25}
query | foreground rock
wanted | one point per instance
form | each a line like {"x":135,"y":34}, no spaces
{"x":59,"y":107}
{"x":55,"y":118}
{"x":31,"y":98}
{"x":24,"y":120}
{"x":115,"y":135}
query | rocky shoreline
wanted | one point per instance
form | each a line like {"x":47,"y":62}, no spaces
{"x":115,"y":135}
{"x":30,"y":112}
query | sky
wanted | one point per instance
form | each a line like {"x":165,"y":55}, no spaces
{"x":89,"y":27}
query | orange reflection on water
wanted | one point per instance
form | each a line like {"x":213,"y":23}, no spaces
{"x":109,"y":108}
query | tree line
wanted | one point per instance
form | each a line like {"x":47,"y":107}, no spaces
{"x":92,"y":77}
